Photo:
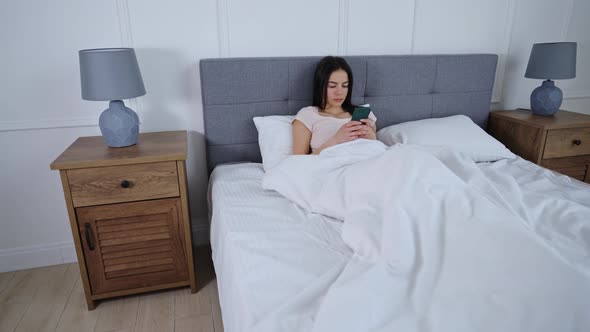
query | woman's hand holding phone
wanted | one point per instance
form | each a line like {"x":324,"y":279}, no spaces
{"x":369,"y":127}
{"x":353,"y":130}
{"x":349,"y":132}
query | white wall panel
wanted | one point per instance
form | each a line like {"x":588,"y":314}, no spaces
{"x":460,"y":26}
{"x":40,"y":42}
{"x":465,"y":26}
{"x":580,"y":105}
{"x":535,"y":21}
{"x":282,"y":28}
{"x":380,"y":27}
{"x":32,"y":205}
{"x":170,"y":38}
{"x":578,"y":30}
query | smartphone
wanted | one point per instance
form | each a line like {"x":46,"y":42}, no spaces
{"x":360,"y":113}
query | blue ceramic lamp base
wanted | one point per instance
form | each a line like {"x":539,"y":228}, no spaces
{"x":546,"y":99}
{"x":119,"y":125}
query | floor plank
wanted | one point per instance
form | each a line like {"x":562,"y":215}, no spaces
{"x":24,"y":285}
{"x":216,"y":309}
{"x":117,"y":314}
{"x":18,"y":295}
{"x":5,"y":279}
{"x":76,"y":316}
{"x":187,"y":304}
{"x":10,"y":315}
{"x":156,"y":312}
{"x":198,"y":323}
{"x":52,"y":299}
{"x":49,"y":302}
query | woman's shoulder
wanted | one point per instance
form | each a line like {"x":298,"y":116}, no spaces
{"x":308,"y":116}
{"x":308,"y":110}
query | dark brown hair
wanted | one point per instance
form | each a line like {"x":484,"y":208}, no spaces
{"x":323,"y":70}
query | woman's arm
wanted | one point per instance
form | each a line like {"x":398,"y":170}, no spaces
{"x":301,"y":138}
{"x":326,"y":145}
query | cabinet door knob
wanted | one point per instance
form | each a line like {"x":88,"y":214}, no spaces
{"x":125,"y":184}
{"x":89,"y":237}
{"x":577,"y":141}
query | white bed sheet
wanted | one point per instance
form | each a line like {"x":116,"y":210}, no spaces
{"x":266,"y":249}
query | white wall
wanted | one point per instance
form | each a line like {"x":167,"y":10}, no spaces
{"x":42,"y":112}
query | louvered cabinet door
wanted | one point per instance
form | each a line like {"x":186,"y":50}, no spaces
{"x":133,"y":245}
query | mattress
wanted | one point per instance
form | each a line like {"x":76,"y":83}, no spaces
{"x":266,"y":249}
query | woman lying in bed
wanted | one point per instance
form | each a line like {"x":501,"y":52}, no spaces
{"x":328,"y":121}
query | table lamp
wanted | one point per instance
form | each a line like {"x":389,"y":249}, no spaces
{"x":550,"y":61}
{"x":113,"y":74}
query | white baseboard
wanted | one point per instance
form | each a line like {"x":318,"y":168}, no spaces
{"x":21,"y":258}
{"x":48,"y":124}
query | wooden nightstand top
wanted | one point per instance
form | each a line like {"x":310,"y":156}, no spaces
{"x":151,"y":147}
{"x":561,"y":119}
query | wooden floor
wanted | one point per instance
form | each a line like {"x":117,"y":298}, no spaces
{"x":52,"y":299}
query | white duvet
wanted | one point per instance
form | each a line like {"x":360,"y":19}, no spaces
{"x":439,"y":245}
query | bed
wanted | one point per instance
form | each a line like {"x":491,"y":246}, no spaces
{"x":280,"y":267}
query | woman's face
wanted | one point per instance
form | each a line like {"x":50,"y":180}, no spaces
{"x":337,"y":88}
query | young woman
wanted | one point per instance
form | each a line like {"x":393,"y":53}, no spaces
{"x":327,"y":122}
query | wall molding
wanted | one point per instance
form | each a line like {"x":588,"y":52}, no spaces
{"x":126,"y":34}
{"x":28,"y":257}
{"x":568,"y":18}
{"x":48,"y":124}
{"x":501,"y":69}
{"x":413,"y":35}
{"x":124,"y":23}
{"x":572,"y":94}
{"x":343,"y":18}
{"x":35,"y":256}
{"x":223,"y":29}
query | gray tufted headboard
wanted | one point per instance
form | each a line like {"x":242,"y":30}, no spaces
{"x":399,"y":88}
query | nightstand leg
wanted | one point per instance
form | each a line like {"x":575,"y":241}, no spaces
{"x":91,"y":304}
{"x":181,"y":167}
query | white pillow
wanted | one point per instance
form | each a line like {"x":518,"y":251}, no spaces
{"x":275,"y":137}
{"x":457,"y":132}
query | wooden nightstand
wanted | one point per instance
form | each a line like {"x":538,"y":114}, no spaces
{"x":129,"y":214}
{"x":560,"y":142}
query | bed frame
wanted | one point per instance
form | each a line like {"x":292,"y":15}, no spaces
{"x":399,"y":89}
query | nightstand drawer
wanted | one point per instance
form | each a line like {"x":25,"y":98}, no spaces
{"x":567,"y":142}
{"x":116,"y":184}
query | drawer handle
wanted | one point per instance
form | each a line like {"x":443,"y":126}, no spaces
{"x":89,"y":236}
{"x":125,"y":184}
{"x":577,"y":142}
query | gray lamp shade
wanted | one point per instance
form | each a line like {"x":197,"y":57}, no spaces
{"x":110,"y":74}
{"x":552,"y":61}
